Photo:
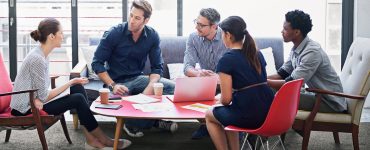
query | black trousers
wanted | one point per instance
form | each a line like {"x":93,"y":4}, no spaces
{"x":76,"y":100}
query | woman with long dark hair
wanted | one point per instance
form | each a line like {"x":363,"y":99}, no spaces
{"x":34,"y":74}
{"x":245,"y":96}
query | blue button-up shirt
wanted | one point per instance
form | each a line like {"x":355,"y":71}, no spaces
{"x":203,"y":51}
{"x":126,"y":58}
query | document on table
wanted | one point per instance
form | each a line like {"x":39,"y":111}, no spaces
{"x":154,"y":107}
{"x":198,"y":107}
{"x":140,"y":99}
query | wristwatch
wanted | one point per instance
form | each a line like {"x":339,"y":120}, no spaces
{"x":111,"y":86}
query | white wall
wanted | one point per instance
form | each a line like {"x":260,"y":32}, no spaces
{"x":361,"y":25}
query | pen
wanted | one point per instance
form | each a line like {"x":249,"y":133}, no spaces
{"x":168,"y":98}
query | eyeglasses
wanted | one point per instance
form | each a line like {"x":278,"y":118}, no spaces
{"x":199,"y":25}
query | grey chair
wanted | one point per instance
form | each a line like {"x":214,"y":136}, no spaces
{"x":356,"y":83}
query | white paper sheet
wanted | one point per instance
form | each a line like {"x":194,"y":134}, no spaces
{"x":140,"y":99}
{"x":154,"y":107}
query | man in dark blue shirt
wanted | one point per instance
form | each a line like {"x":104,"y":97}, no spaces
{"x":124,"y":49}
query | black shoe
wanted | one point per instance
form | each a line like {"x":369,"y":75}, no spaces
{"x":200,"y":133}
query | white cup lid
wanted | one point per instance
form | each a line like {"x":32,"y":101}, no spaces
{"x":104,"y":90}
{"x":158,"y":85}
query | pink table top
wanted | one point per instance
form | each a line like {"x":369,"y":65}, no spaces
{"x":128,"y":111}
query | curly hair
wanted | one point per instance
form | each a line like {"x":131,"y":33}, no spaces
{"x":299,"y":20}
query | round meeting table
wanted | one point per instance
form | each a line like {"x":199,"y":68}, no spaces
{"x":175,"y":111}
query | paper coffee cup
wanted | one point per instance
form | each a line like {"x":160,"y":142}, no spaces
{"x":104,"y":95}
{"x":158,"y":89}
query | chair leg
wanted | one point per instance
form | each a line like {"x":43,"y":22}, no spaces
{"x":306,"y":136}
{"x":336,"y":137}
{"x":7,"y":136}
{"x":65,"y":130}
{"x":282,"y":137}
{"x":267,"y":143}
{"x":246,"y":140}
{"x":40,"y":130}
{"x":281,"y":141}
{"x":355,"y":137}
{"x":75,"y":121}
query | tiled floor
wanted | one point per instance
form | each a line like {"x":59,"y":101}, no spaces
{"x":364,"y":118}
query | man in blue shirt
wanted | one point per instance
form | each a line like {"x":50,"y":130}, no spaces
{"x":124,"y":49}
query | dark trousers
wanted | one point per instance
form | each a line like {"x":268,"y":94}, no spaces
{"x":76,"y":100}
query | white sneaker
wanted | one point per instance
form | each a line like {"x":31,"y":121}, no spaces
{"x":133,"y":132}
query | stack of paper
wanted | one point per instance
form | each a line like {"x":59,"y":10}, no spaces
{"x":154,"y":107}
{"x":140,"y":99}
{"x":198,"y":107}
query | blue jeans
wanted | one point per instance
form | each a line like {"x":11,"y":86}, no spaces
{"x":136,"y":85}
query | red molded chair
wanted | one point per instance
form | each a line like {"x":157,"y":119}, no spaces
{"x":280,"y":116}
{"x":40,"y":119}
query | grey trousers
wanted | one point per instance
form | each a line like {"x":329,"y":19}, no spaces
{"x":307,"y":102}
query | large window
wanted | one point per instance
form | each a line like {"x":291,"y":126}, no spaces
{"x":265,"y":18}
{"x":4,"y":32}
{"x":333,"y":32}
{"x":164,"y":16}
{"x":95,"y":17}
{"x":29,"y":15}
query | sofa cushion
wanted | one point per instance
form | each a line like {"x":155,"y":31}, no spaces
{"x":269,"y":58}
{"x":277,"y":49}
{"x":88,"y":54}
{"x":325,"y":117}
{"x":176,"y":70}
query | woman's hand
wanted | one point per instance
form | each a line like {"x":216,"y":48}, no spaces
{"x":38,"y":104}
{"x":82,"y":81}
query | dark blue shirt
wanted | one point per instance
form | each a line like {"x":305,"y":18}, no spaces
{"x":126,"y":58}
{"x":252,"y":104}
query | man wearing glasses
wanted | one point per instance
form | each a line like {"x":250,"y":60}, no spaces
{"x":205,"y":46}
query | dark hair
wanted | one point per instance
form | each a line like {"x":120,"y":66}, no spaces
{"x":211,"y":14}
{"x":46,"y":27}
{"x":143,"y":5}
{"x":236,"y":26}
{"x":299,"y":20}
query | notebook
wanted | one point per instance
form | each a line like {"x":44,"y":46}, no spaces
{"x":194,"y":89}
